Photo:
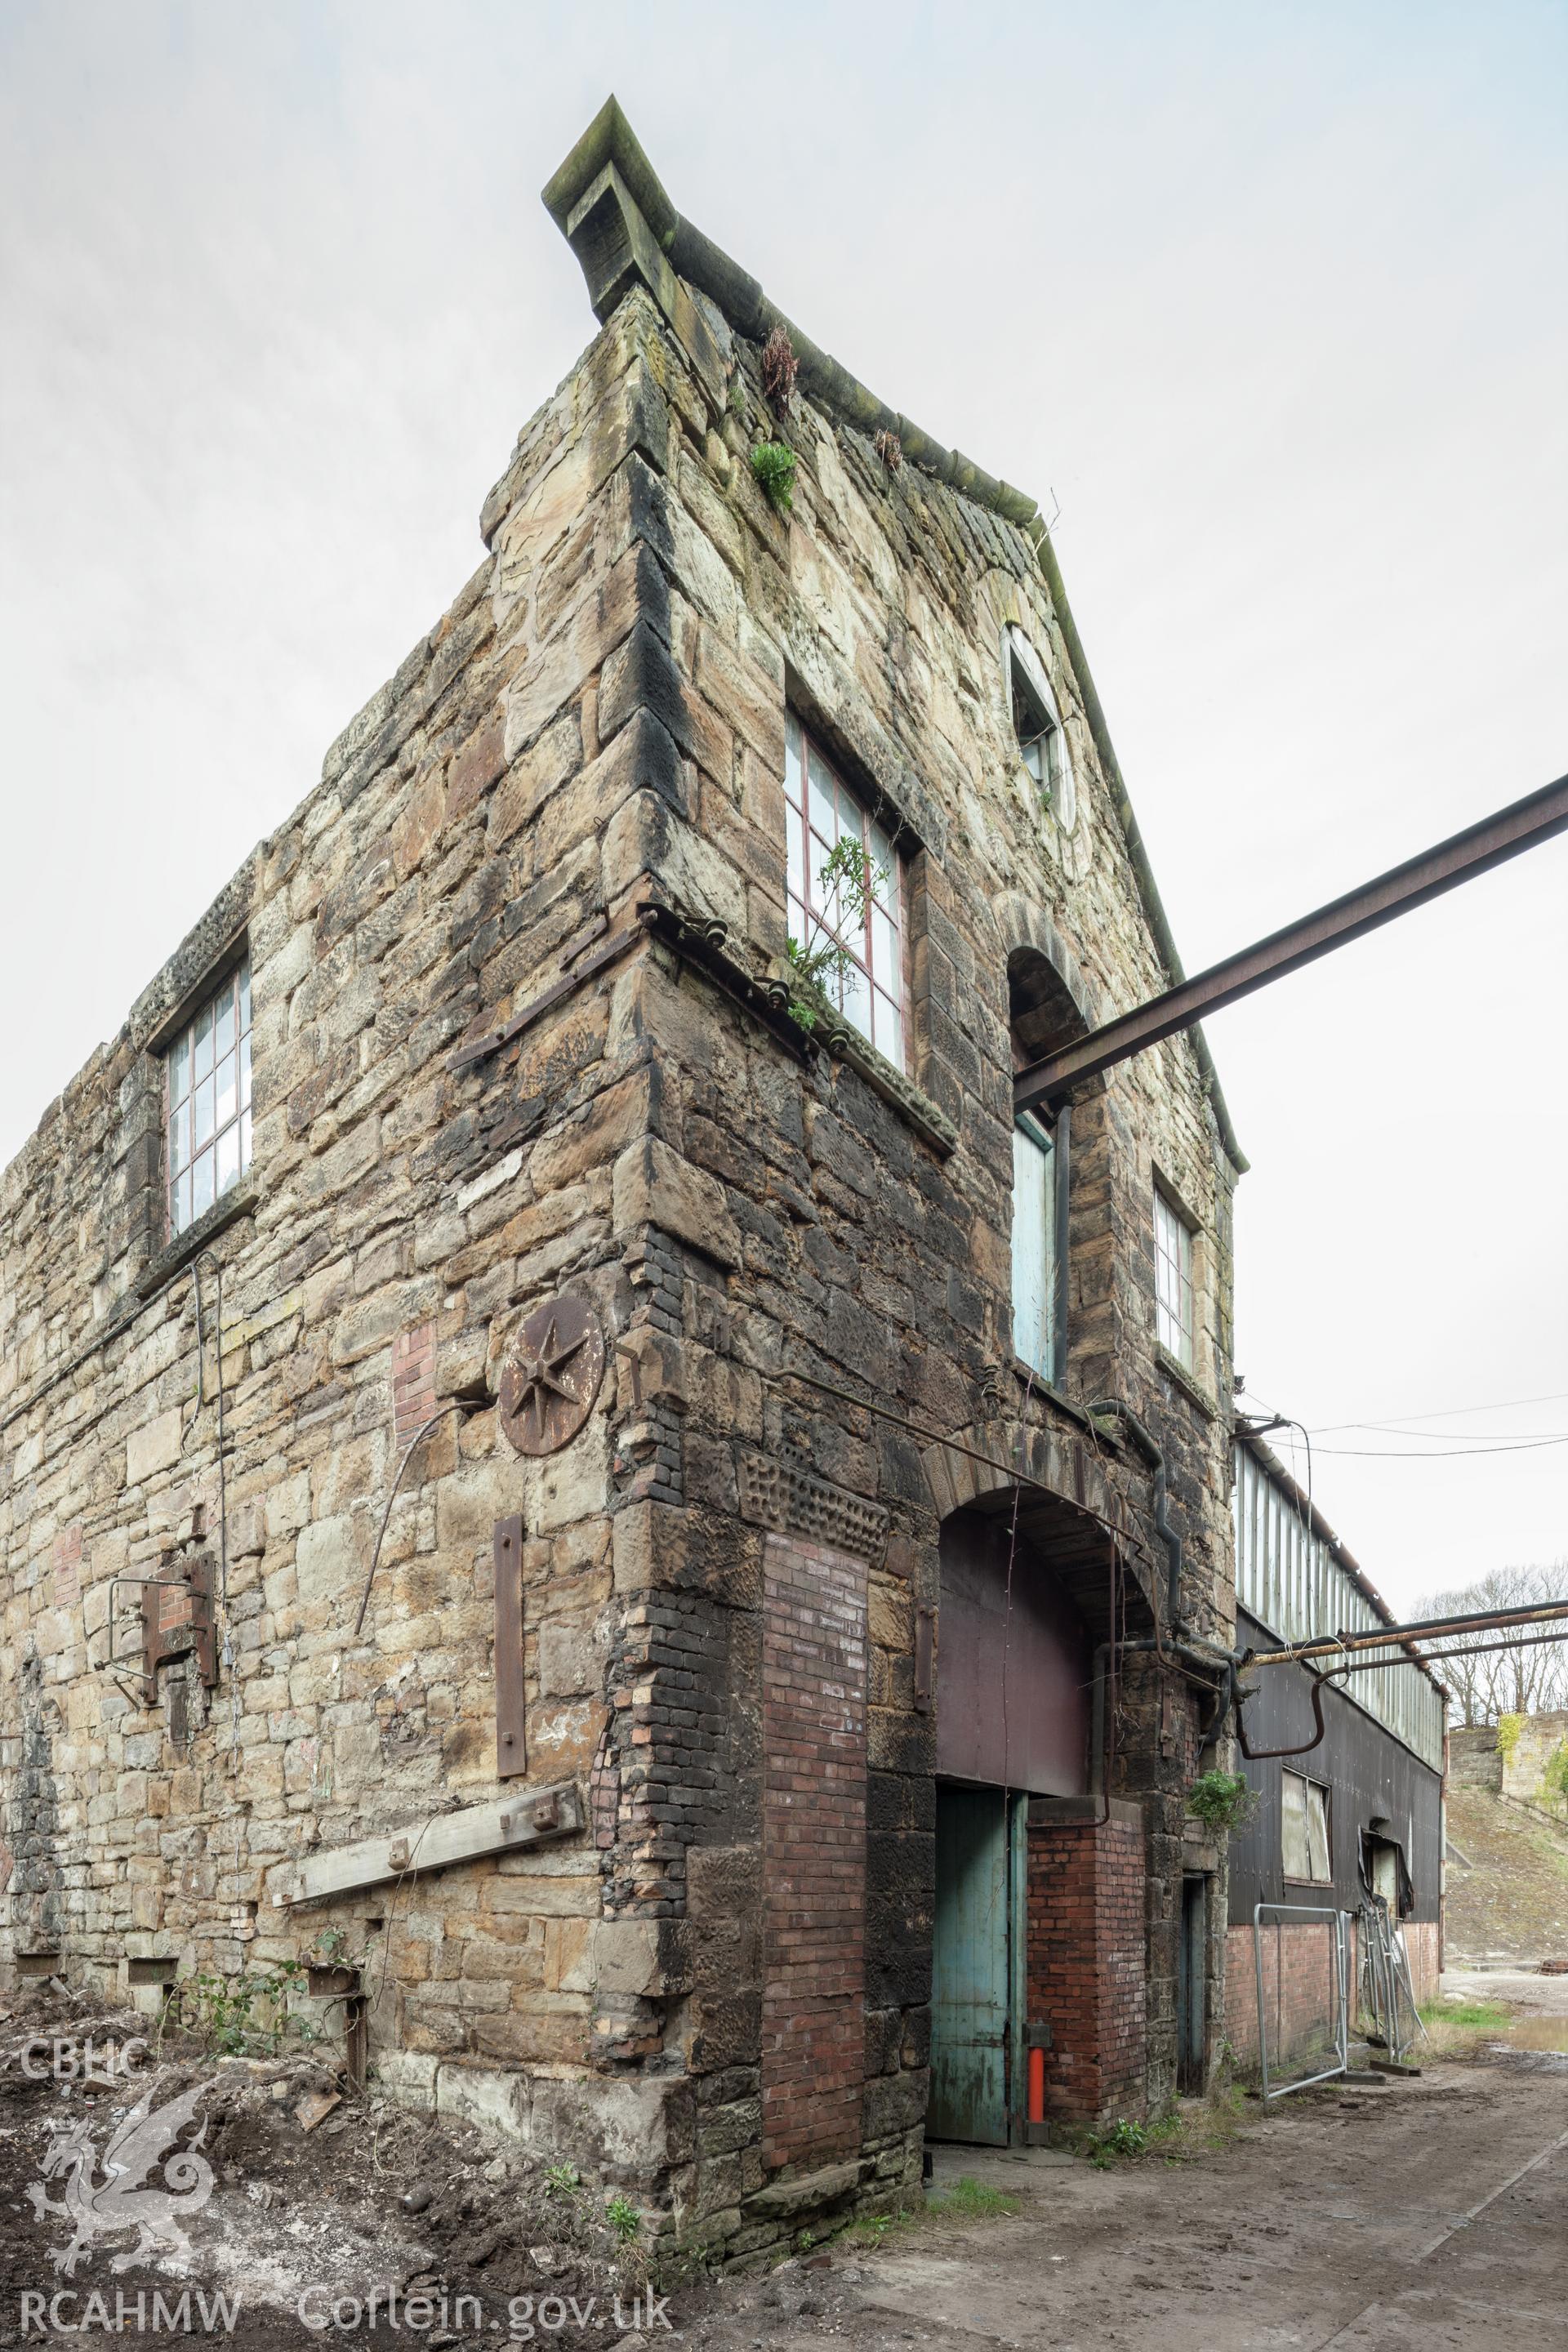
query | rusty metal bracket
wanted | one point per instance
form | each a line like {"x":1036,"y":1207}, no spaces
{"x":511,"y":1711}
{"x":925,"y":1632}
{"x":177,"y":1620}
{"x":168,"y":1630}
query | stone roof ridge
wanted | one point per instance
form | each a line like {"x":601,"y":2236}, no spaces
{"x":610,"y":146}
{"x":612,"y":208}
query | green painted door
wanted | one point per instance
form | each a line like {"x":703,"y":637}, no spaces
{"x":969,"y":1974}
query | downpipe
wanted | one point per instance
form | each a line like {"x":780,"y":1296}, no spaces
{"x":1214,"y":1669}
{"x":1112,"y":1409}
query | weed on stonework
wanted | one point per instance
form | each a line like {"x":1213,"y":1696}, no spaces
{"x":623,"y":2220}
{"x":243,"y":2016}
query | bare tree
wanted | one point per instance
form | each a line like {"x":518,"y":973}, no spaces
{"x":1520,"y":1678}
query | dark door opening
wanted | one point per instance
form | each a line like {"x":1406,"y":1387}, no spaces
{"x":1191,"y":1986}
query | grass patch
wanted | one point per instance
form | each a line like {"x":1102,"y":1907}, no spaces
{"x":1456,"y":2029}
{"x":965,"y":2201}
{"x":1465,"y":2012}
{"x":970,"y":2200}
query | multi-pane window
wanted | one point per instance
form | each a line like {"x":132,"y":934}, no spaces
{"x":206,"y":1074}
{"x":1033,"y":1247}
{"x":1304,"y":1828}
{"x":820,"y":812}
{"x":1172,"y":1279}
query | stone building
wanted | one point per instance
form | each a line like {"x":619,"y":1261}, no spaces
{"x":628,"y":1502}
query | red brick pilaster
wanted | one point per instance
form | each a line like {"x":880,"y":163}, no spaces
{"x":1086,"y":1962}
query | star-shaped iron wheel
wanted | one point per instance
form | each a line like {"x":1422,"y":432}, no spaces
{"x":540,"y":1379}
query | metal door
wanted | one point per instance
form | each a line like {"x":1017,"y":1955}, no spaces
{"x":970,"y":2007}
{"x":1191,"y":1974}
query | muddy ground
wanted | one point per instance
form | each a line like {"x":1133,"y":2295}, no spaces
{"x":1428,"y":2212}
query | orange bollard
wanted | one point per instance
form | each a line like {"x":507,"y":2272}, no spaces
{"x":1037,"y":2086}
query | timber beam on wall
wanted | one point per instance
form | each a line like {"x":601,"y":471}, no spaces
{"x":1459,"y":859}
{"x":519,"y":1822}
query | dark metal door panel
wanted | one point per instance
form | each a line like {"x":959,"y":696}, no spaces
{"x":969,"y":1991}
{"x":1191,"y":1981}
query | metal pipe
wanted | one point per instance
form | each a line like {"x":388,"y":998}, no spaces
{"x":1302,"y":1748}
{"x":1422,"y":1629}
{"x":459,"y":1404}
{"x":1521,"y":825}
{"x":1097,"y":1774}
{"x":1441,"y":1657}
{"x":1112,"y":1409}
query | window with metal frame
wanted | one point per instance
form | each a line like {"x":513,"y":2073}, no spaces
{"x":1034,"y":1247}
{"x":1304,"y":1829}
{"x":1174,"y":1320}
{"x":206,"y":1088}
{"x":820,"y":811}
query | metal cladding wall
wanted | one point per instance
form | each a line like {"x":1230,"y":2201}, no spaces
{"x":1368,"y":1771}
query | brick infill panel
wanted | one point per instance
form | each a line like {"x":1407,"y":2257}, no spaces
{"x":813,"y":1849}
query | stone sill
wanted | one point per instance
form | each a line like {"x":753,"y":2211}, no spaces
{"x":917,"y":1110}
{"x":1184,"y":1379}
{"x":239,"y":1203}
{"x":1031,"y":1384}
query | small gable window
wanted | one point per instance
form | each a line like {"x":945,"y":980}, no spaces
{"x":846,"y":895}
{"x":207,"y":1079}
{"x":1037,"y":723}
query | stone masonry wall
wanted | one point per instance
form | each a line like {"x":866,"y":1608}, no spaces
{"x":595,"y":729}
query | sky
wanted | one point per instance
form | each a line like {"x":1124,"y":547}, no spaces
{"x":1265,"y":302}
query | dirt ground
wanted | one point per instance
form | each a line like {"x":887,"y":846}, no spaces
{"x":1428,"y":2212}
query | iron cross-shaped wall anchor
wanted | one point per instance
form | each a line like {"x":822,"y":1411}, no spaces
{"x":552,"y":1376}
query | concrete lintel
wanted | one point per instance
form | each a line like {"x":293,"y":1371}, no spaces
{"x":1080,"y":1813}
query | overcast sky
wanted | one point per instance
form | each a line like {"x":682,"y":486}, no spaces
{"x":1269,"y":299}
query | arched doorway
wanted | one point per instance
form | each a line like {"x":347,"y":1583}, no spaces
{"x":1038,"y":1869}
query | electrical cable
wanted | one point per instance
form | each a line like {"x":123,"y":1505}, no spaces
{"x":1440,"y":1412}
{"x":1438,"y":1454}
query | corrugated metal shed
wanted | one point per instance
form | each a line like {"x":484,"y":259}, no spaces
{"x":1297,"y":1580}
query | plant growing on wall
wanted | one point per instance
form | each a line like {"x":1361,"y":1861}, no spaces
{"x":890,"y":450}
{"x":774,"y":466}
{"x":1221,"y":1802}
{"x":780,"y":368}
{"x":848,"y":872}
{"x":1509,"y":1728}
{"x":1554,"y":1779}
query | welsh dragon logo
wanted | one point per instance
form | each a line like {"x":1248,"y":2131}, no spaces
{"x":143,"y":2144}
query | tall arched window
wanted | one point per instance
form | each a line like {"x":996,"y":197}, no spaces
{"x":1043,"y":1016}
{"x":1035,"y":1245}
